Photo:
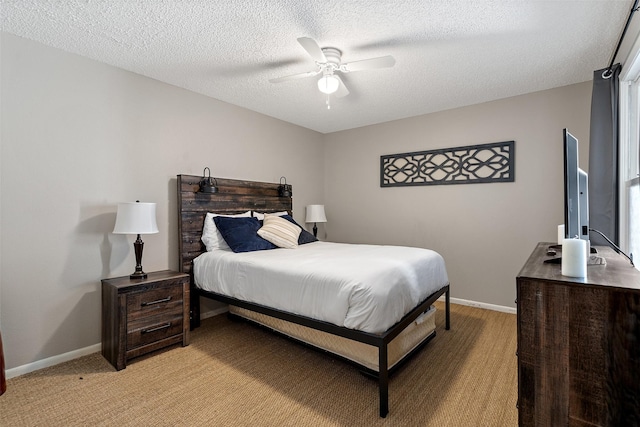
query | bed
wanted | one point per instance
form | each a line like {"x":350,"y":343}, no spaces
{"x":377,"y":344}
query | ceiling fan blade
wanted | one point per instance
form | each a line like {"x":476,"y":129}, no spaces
{"x":312,"y":49}
{"x":370,"y":64}
{"x":342,"y":89}
{"x":295,"y":76}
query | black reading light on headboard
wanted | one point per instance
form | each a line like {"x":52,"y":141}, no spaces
{"x":284,"y":190}
{"x":208,"y":184}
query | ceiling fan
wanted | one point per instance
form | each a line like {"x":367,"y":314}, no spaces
{"x":328,"y":63}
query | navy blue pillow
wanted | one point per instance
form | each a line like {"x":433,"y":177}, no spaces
{"x":305,"y":236}
{"x":241,"y":234}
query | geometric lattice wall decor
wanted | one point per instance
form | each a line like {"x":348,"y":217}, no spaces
{"x":460,"y":165}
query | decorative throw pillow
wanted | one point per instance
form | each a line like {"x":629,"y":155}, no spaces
{"x":260,"y":216}
{"x":211,"y":237}
{"x":241,"y":234}
{"x":305,"y":236}
{"x":280,"y":232}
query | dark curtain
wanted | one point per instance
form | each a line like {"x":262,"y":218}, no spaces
{"x":603,"y":157}
{"x":3,"y":379}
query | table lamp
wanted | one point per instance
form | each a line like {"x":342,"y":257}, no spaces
{"x":136,"y":218}
{"x":315,"y":214}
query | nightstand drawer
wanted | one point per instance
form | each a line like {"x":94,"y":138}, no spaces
{"x":154,"y":329}
{"x":154,"y":301}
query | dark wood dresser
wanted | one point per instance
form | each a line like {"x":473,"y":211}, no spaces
{"x":143,"y":315}
{"x":578,"y":343}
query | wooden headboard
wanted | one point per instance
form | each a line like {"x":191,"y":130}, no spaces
{"x":233,"y":196}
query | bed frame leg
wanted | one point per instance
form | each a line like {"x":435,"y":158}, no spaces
{"x":194,"y":312}
{"x":383,"y":378}
{"x":447,"y":310}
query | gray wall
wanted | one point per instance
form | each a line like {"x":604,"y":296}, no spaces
{"x":484,"y":231}
{"x":77,"y":138}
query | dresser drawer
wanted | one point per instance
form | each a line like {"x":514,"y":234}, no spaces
{"x":154,"y":301}
{"x":154,"y":329}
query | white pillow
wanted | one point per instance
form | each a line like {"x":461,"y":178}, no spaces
{"x":211,"y":237}
{"x":260,"y":216}
{"x":280,"y":232}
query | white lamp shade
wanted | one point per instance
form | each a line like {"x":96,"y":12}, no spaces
{"x":315,"y":213}
{"x":328,"y":84}
{"x":136,"y":218}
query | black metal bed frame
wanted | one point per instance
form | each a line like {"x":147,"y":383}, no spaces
{"x":238,"y":196}
{"x":380,"y":341}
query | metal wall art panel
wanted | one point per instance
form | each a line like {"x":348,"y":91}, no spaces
{"x":473,"y":164}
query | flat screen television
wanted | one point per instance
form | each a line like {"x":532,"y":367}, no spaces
{"x":576,"y":192}
{"x":576,"y":201}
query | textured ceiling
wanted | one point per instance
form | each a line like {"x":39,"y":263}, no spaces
{"x":448,"y":53}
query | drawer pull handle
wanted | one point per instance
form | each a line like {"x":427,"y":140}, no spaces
{"x":157,"y":328}
{"x":158,"y":301}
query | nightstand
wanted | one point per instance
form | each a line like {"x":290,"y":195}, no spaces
{"x":143,"y":315}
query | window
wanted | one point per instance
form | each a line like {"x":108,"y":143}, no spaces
{"x":630,"y":161}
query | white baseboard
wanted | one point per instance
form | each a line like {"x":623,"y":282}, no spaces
{"x":53,"y":360}
{"x":502,"y":308}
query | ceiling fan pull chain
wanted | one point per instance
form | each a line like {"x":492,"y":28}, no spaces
{"x":328,"y":102}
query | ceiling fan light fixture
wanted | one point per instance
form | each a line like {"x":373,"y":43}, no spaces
{"x":328,"y":84}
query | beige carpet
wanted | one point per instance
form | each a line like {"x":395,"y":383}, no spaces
{"x":235,"y":374}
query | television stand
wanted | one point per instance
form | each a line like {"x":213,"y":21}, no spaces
{"x":593,"y":260}
{"x":594,"y":250}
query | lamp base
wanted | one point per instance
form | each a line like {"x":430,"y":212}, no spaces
{"x":138,"y":275}
{"x":138,"y":245}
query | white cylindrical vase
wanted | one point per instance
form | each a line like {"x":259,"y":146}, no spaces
{"x":560,"y":233}
{"x":574,"y":258}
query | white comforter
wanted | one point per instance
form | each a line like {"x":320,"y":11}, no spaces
{"x":363,"y":287}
